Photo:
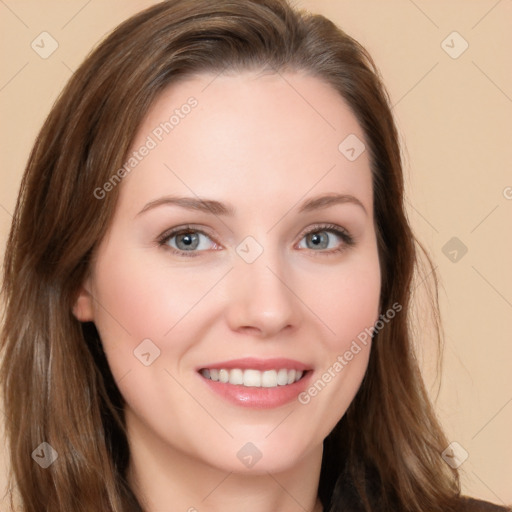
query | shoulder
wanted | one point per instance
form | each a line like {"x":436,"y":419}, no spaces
{"x":473,"y":505}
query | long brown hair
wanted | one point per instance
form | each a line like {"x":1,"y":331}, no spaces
{"x":384,"y":454}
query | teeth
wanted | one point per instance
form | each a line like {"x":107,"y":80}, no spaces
{"x":236,"y":377}
{"x":223,"y":376}
{"x":253,"y":378}
{"x":269,"y":379}
{"x":282,"y":377}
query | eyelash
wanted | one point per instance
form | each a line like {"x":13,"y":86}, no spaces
{"x":343,"y":234}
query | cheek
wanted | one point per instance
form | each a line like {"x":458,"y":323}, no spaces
{"x":347,"y":301}
{"x":349,"y":306}
{"x":141,"y":299}
{"x":140,"y":309}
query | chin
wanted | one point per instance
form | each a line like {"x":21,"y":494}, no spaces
{"x":261,"y":456}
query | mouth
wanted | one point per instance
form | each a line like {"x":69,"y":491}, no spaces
{"x":257,"y":383}
{"x":252,"y":378}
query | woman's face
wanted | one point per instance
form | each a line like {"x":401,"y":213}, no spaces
{"x":242,"y":249}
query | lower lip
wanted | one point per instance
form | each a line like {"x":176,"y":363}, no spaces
{"x":259,"y":398}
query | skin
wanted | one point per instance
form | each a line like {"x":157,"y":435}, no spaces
{"x":263,"y":144}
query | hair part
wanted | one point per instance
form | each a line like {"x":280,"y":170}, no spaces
{"x":384,"y":454}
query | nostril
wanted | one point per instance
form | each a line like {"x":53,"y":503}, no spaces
{"x":249,"y":329}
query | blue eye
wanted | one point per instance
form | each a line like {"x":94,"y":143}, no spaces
{"x":188,"y":240}
{"x":331,"y":239}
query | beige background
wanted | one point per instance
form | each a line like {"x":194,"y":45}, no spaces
{"x":454,"y":115}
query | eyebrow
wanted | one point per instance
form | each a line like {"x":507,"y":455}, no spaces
{"x":324,"y":201}
{"x":191,"y":203}
{"x":218,"y":208}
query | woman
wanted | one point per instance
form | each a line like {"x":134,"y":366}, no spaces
{"x":207,"y":279}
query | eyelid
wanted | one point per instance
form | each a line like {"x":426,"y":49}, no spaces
{"x":324,"y":227}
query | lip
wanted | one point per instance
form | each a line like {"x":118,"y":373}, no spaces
{"x":253,"y":363}
{"x":254,"y":397}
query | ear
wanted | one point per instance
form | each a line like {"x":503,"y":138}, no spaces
{"x":83,"y":307}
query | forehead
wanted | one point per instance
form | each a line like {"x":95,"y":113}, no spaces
{"x":248,"y":134}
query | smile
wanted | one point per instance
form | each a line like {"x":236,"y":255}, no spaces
{"x":252,"y":378}
{"x":257,"y":383}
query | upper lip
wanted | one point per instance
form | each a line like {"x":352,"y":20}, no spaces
{"x":252,"y":363}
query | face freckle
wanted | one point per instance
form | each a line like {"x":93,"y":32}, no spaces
{"x":242,"y":247}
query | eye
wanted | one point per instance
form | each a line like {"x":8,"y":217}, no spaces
{"x":326,"y":238}
{"x":187,"y":240}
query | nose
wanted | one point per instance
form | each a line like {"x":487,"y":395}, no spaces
{"x":261,"y":299}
